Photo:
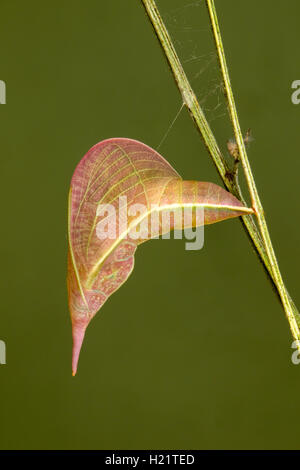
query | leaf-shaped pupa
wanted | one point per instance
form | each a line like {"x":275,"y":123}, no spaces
{"x":112,"y":171}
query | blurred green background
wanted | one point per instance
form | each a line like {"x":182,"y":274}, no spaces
{"x":194,"y":351}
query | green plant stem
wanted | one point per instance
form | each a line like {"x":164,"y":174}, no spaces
{"x":256,"y":203}
{"x":260,"y":240}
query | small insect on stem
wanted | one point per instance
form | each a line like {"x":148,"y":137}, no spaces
{"x":233,"y":150}
{"x":232,"y":146}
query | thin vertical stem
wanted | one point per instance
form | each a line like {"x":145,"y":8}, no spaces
{"x":256,"y":203}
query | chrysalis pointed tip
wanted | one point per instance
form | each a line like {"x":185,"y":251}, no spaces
{"x":78,"y":336}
